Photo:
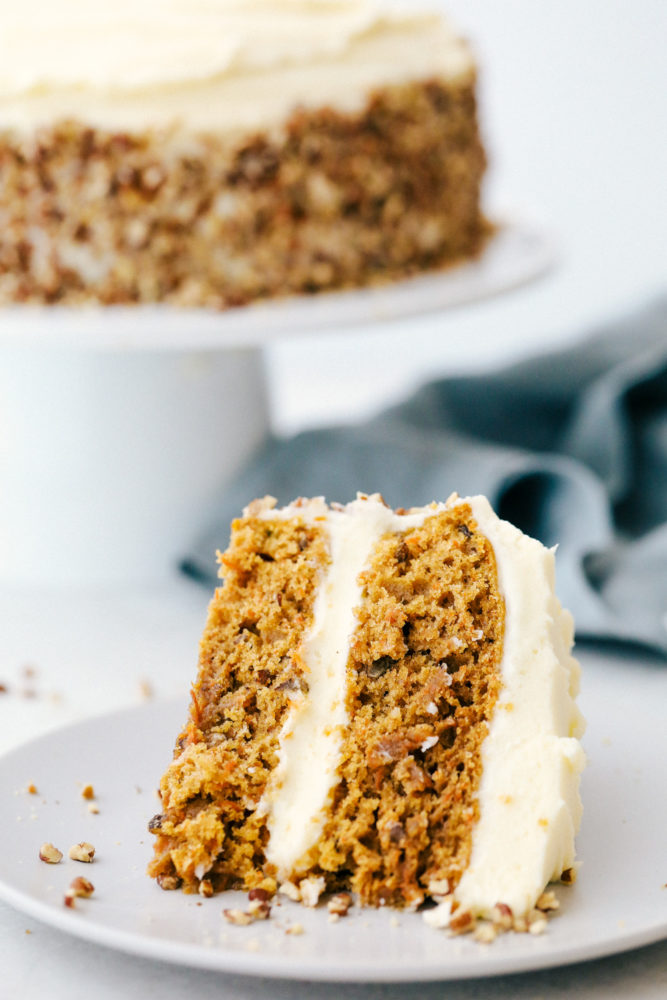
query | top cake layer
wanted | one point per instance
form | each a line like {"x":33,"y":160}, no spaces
{"x":215,"y":64}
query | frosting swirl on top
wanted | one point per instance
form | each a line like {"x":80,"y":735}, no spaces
{"x":134,"y":50}
{"x":133,"y":44}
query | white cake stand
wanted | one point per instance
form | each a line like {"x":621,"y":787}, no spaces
{"x":120,"y":426}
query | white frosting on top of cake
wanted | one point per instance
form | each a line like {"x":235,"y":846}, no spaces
{"x":529,"y":792}
{"x":211,"y":64}
{"x":310,"y":741}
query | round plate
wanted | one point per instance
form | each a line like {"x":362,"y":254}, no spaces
{"x":517,"y":253}
{"x":618,"y":902}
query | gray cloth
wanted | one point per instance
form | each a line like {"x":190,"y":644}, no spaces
{"x":570,"y":446}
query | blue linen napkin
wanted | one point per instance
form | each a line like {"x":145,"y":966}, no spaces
{"x":570,"y":446}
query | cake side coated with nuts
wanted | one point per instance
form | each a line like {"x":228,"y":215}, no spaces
{"x":330,"y":200}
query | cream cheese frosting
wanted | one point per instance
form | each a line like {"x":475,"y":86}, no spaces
{"x":310,"y":741}
{"x":529,"y":805}
{"x":528,"y":798}
{"x":223,"y":64}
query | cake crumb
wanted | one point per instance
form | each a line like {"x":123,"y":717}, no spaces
{"x":237,"y":917}
{"x":145,"y":689}
{"x":462,"y":922}
{"x":502,"y":916}
{"x":290,"y":890}
{"x":485,"y":932}
{"x":32,"y":789}
{"x":258,"y":904}
{"x":169,"y":882}
{"x":294,"y":929}
{"x":438,"y":888}
{"x":339,"y":904}
{"x":81,"y":887}
{"x":440,"y":915}
{"x":88,"y":792}
{"x":547,"y":901}
{"x":93,"y":808}
{"x":311,"y":889}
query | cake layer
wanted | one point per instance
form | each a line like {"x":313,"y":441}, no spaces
{"x":248,"y":678}
{"x":333,"y":200}
{"x":213,"y":154}
{"x":406,"y":728}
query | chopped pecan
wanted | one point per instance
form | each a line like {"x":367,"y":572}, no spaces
{"x":339,"y":904}
{"x":50,"y":854}
{"x":82,"y":851}
{"x":169,"y":882}
{"x":462,"y":922}
{"x":81,"y":887}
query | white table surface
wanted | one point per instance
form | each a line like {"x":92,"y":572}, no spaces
{"x":573,"y":95}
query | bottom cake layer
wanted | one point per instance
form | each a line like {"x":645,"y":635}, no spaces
{"x":385,"y":704}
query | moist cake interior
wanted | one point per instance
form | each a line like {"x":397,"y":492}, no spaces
{"x":422,"y":679}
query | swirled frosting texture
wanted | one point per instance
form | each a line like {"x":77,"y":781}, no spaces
{"x":210,"y":63}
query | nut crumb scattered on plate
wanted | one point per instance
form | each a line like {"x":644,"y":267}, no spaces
{"x":82,"y":851}
{"x":50,"y":854}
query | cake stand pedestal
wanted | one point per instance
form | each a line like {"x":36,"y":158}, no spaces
{"x":120,"y":426}
{"x":110,"y":459}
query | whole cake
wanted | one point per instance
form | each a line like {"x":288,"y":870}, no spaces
{"x":384,"y":705}
{"x":215,"y":153}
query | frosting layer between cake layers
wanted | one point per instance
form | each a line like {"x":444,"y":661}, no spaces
{"x":310,"y":741}
{"x":216,"y":64}
{"x":529,"y":804}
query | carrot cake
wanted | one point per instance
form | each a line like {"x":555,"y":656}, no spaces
{"x":217,"y":153}
{"x":385,"y":705}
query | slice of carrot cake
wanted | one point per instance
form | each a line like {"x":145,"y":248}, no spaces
{"x":384,"y":704}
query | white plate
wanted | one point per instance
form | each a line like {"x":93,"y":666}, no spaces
{"x":617,"y":903}
{"x":518,"y":252}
